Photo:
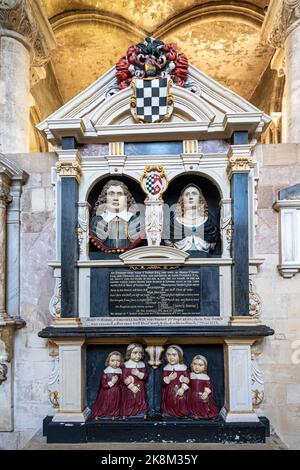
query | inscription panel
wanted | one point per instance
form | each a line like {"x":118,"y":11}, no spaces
{"x":155,"y":293}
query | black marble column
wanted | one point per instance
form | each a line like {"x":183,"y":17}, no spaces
{"x":69,"y":240}
{"x":240,"y":241}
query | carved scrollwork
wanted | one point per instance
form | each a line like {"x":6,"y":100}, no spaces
{"x":227,"y":227}
{"x":254,"y":300}
{"x":55,"y":302}
{"x":53,"y":380}
{"x":257,"y":382}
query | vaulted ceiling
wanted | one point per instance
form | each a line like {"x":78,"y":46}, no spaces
{"x":222,"y":38}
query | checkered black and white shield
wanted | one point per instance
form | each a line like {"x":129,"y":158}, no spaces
{"x":153,"y":183}
{"x":151,"y":99}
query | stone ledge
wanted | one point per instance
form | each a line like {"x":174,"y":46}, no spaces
{"x":219,"y":331}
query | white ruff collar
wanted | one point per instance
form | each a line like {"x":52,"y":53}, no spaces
{"x":134,"y":365}
{"x":179,"y":367}
{"x":111,"y":370}
{"x":199,"y":376}
{"x":108,"y":216}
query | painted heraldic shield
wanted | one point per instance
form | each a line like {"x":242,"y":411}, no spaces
{"x":151,"y":100}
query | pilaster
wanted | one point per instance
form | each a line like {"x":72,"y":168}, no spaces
{"x":240,"y":160}
{"x":69,"y":169}
{"x":72,"y":407}
{"x":238,"y":394}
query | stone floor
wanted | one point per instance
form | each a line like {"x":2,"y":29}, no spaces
{"x":38,"y":442}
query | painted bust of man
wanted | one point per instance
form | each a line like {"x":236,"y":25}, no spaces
{"x":192,"y":227}
{"x":115,"y":223}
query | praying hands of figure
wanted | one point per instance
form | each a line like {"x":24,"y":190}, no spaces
{"x":138,"y":374}
{"x":114,"y":379}
{"x":180,"y":392}
{"x":129,"y":380}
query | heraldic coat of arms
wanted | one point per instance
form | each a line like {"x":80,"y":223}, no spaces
{"x":151,"y":68}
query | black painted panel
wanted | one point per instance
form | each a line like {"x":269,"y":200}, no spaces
{"x":69,"y":247}
{"x":154,"y":148}
{"x":239,"y":138}
{"x":240,"y":249}
{"x":95,"y":364}
{"x":209,"y":290}
{"x":68,"y":143}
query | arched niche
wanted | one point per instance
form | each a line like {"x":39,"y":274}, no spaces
{"x":93,"y":193}
{"x":212,"y":196}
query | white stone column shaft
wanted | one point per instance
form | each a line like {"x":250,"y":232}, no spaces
{"x":292,"y":47}
{"x":14,"y":96}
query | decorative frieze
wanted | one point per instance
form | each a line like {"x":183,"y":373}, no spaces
{"x":27,"y":22}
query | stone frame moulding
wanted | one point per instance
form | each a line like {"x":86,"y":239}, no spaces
{"x":288,"y":206}
{"x":12,"y":179}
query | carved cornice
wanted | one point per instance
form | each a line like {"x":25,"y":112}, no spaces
{"x":26,"y":21}
{"x":282,"y":18}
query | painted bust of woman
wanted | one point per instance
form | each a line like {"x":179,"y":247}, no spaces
{"x":192,"y":228}
{"x":115,"y":223}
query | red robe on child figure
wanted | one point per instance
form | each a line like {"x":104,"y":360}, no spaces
{"x":175,"y":380}
{"x":134,"y":377}
{"x":201,"y":403}
{"x":108,"y":399}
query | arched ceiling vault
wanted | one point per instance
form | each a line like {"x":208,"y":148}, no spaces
{"x":222,"y":38}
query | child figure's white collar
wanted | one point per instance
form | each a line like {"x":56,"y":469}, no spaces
{"x":111,"y":370}
{"x":179,"y":367}
{"x":130,"y":364}
{"x":202,"y":376}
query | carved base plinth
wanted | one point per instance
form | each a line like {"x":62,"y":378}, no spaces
{"x":139,"y":430}
{"x":66,"y":322}
{"x":244,"y":320}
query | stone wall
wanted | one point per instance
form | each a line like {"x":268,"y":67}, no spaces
{"x":279,"y":168}
{"x":31,"y":358}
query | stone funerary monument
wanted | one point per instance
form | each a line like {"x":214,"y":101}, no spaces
{"x":155,"y":214}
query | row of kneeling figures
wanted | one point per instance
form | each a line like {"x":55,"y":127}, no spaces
{"x":185,"y":393}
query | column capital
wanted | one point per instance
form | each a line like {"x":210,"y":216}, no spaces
{"x":283,"y":16}
{"x":26,"y":21}
{"x":69,"y":164}
{"x":239,"y":159}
